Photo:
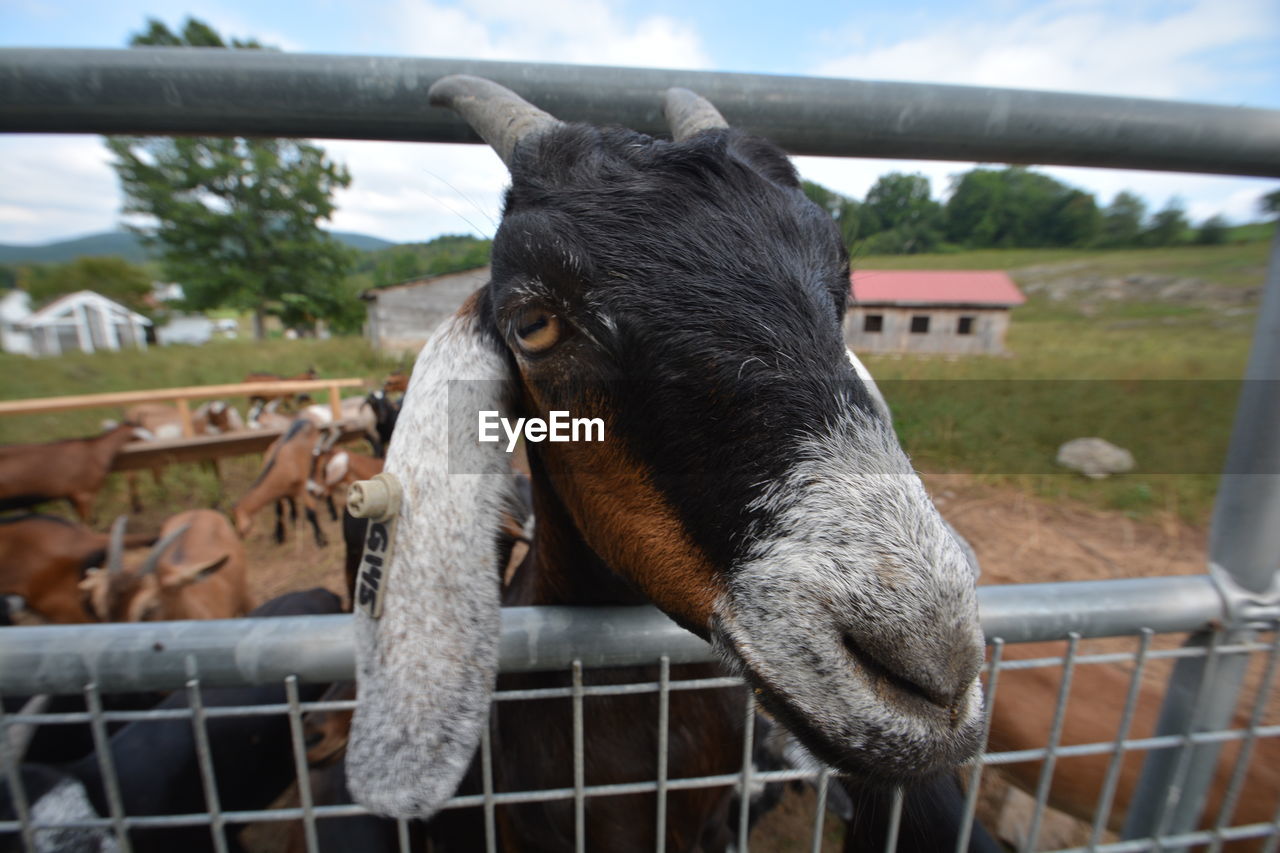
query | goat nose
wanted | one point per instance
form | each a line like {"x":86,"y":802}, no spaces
{"x":938,"y":669}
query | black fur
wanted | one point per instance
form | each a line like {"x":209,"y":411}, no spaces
{"x":156,"y":760}
{"x":725,"y":286}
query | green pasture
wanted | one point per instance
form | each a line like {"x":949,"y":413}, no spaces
{"x":1158,"y":377}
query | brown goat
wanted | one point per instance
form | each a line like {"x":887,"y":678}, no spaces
{"x":163,"y":421}
{"x":283,"y":478}
{"x":43,"y":559}
{"x":257,"y":401}
{"x":197,"y":570}
{"x":1095,"y":706}
{"x":74,"y":469}
{"x":334,"y":468}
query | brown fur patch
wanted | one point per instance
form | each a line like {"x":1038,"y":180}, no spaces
{"x":631,"y":525}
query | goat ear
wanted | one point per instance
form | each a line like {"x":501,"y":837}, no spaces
{"x":179,"y":576}
{"x":426,"y":620}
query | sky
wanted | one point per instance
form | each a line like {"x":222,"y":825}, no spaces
{"x":1212,"y":51}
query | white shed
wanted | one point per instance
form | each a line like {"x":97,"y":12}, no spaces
{"x":15,"y":307}
{"x":84,"y":321}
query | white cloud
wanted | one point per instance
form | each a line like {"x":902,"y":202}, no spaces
{"x":551,"y":31}
{"x":1075,"y":45}
{"x":411,"y":192}
{"x":55,"y":187}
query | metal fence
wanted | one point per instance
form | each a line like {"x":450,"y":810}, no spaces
{"x":179,"y":91}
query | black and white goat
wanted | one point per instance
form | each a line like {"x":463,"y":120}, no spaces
{"x":750,"y":485}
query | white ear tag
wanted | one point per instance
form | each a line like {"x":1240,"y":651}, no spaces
{"x":378,"y":500}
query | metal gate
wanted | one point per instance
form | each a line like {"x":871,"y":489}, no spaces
{"x":1231,"y":611}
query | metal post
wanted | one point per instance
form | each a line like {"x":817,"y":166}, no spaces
{"x":1245,"y":543}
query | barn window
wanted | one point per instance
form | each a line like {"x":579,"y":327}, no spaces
{"x":919,"y":324}
{"x":873,"y":323}
{"x":965,"y":326}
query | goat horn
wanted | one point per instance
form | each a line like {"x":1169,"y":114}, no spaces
{"x":157,"y":551}
{"x":689,"y":113}
{"x":499,"y":115}
{"x":115,"y":545}
{"x":20,"y":735}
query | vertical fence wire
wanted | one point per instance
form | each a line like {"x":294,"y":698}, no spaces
{"x":300,"y":767}
{"x":664,"y":719}
{"x":579,"y":772}
{"x":18,"y":792}
{"x":1170,"y":802}
{"x":1273,"y":842}
{"x":1229,"y":800}
{"x":975,"y":773}
{"x":748,"y":742}
{"x":205,"y":759}
{"x":486,"y":782}
{"x":820,"y":811}
{"x":107,"y":765}
{"x":402,"y":835}
{"x":1055,"y":736}
{"x":1111,"y":781}
{"x":895,"y":822}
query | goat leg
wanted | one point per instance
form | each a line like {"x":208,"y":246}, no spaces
{"x":279,"y":522}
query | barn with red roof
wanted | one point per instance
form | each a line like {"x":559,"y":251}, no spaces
{"x":958,"y":312}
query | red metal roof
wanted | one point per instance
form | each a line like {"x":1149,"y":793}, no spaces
{"x":931,"y":287}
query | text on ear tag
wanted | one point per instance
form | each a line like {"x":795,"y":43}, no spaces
{"x":379,"y":501}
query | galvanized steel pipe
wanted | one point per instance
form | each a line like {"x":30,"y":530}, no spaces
{"x":148,"y":656}
{"x":264,"y":93}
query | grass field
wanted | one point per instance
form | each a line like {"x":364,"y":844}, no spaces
{"x":1100,"y":348}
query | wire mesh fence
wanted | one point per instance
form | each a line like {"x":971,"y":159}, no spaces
{"x":1069,"y":723}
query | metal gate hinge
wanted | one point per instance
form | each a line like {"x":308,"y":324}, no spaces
{"x":1244,"y":608}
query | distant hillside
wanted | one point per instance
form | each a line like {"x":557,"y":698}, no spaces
{"x":127,"y":246}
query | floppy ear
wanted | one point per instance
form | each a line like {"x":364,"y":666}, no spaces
{"x":426,"y":610}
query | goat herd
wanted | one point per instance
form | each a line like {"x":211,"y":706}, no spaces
{"x":751,"y":487}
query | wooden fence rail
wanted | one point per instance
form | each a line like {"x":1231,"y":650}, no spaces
{"x":42,"y":405}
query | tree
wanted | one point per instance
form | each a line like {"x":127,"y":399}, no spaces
{"x":1212,"y":232}
{"x":904,"y":216}
{"x":237,"y":219}
{"x":1122,"y":221}
{"x":1169,"y":226}
{"x":1014,"y":206}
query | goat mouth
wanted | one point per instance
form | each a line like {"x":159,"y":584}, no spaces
{"x":853,"y":713}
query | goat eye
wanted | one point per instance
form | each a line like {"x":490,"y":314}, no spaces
{"x":537,"y":329}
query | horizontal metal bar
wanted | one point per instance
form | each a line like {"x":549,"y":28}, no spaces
{"x":152,"y":656}
{"x":263,"y":93}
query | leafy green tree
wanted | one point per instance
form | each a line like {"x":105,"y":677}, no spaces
{"x":1074,"y":220}
{"x":237,"y":219}
{"x":902,"y":215}
{"x":112,"y":277}
{"x":1212,"y":232}
{"x":1169,"y":226}
{"x":1122,"y":221}
{"x":1016,"y":206}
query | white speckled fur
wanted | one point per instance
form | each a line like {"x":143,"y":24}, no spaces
{"x":67,"y":802}
{"x":426,"y":669}
{"x":856,"y":549}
